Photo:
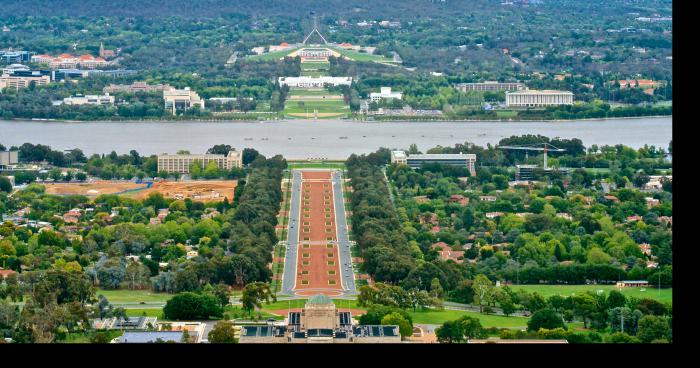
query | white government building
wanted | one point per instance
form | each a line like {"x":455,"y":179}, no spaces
{"x":314,"y":82}
{"x":534,"y":98}
{"x":103,"y":100}
{"x":181,"y":99}
{"x":385,"y":93}
{"x":181,"y":163}
{"x":415,"y":161}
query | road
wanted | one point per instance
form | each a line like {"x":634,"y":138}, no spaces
{"x":290,"y":260}
{"x":344,"y":244}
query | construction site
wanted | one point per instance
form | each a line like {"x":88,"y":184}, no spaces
{"x":203,"y":191}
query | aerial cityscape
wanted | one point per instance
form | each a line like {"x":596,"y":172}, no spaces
{"x":345,"y":172}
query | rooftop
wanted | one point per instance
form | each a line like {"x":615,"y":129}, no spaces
{"x":150,"y":336}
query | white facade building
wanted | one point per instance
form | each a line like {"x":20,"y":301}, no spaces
{"x":104,"y":100}
{"x":533,"y":98}
{"x":386,"y":94}
{"x":181,"y":99}
{"x":415,"y":161}
{"x":490,"y":86}
{"x":314,"y":82}
{"x":182,"y":163}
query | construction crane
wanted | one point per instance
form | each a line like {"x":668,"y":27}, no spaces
{"x":546,"y":147}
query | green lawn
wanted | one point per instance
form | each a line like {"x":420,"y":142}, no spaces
{"x":84,"y":338}
{"x":272,"y":55}
{"x":316,"y":165}
{"x":362,"y":56}
{"x":437,"y":317}
{"x":235,"y":312}
{"x":134,"y":296}
{"x":312,"y":73}
{"x":664,"y":296}
{"x":299,"y":303}
{"x":315,"y":65}
{"x":310,"y":92}
{"x":149,"y":312}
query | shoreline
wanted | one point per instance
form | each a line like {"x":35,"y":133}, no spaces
{"x":339,"y":119}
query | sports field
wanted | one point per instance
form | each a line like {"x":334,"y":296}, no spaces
{"x":663,"y":295}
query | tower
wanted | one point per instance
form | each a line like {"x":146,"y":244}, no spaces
{"x":102,"y":50}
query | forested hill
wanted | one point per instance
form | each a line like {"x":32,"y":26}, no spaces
{"x":403,"y":9}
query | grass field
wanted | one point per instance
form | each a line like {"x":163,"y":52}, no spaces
{"x":437,"y":317}
{"x":272,"y":55}
{"x":84,"y":338}
{"x":235,"y":312}
{"x":134,"y":296}
{"x":148,"y":312}
{"x":664,"y":296}
{"x":317,"y":165}
{"x":361,"y":56}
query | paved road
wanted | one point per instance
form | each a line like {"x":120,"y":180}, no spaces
{"x":346,"y":272}
{"x":290,"y":260}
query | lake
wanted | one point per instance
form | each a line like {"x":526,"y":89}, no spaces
{"x":330,"y":139}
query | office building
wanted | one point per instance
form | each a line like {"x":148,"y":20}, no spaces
{"x":384,"y":94}
{"x":181,"y":99}
{"x":23,"y":79}
{"x":103,"y":100}
{"x":532,"y":98}
{"x":453,"y":159}
{"x":136,"y":87}
{"x":314,"y":82}
{"x":181,"y":163}
{"x":8,"y":158}
{"x":491,"y":86}
{"x":319,"y":322}
{"x":68,"y":61}
{"x":12,"y":57}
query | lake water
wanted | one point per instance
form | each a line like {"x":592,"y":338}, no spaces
{"x":331,"y":139}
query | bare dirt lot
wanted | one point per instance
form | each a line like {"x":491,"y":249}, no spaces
{"x":93,"y":189}
{"x":204,"y":191}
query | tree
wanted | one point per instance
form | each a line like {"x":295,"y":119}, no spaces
{"x":249,"y":155}
{"x":621,"y":338}
{"x":483,"y":289}
{"x":223,"y":333}
{"x":471,"y":327}
{"x":616,"y":299}
{"x":5,"y":185}
{"x":545,"y":318}
{"x":254,"y":293}
{"x":450,"y":332}
{"x":463,"y":292}
{"x":222,"y":294}
{"x":396,"y":319}
{"x":436,"y":290}
{"x":190,"y":305}
{"x":653,"y":328}
{"x":220,"y":149}
{"x":211,"y":171}
{"x":457,"y":331}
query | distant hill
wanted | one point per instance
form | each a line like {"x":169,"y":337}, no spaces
{"x":216,"y":8}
